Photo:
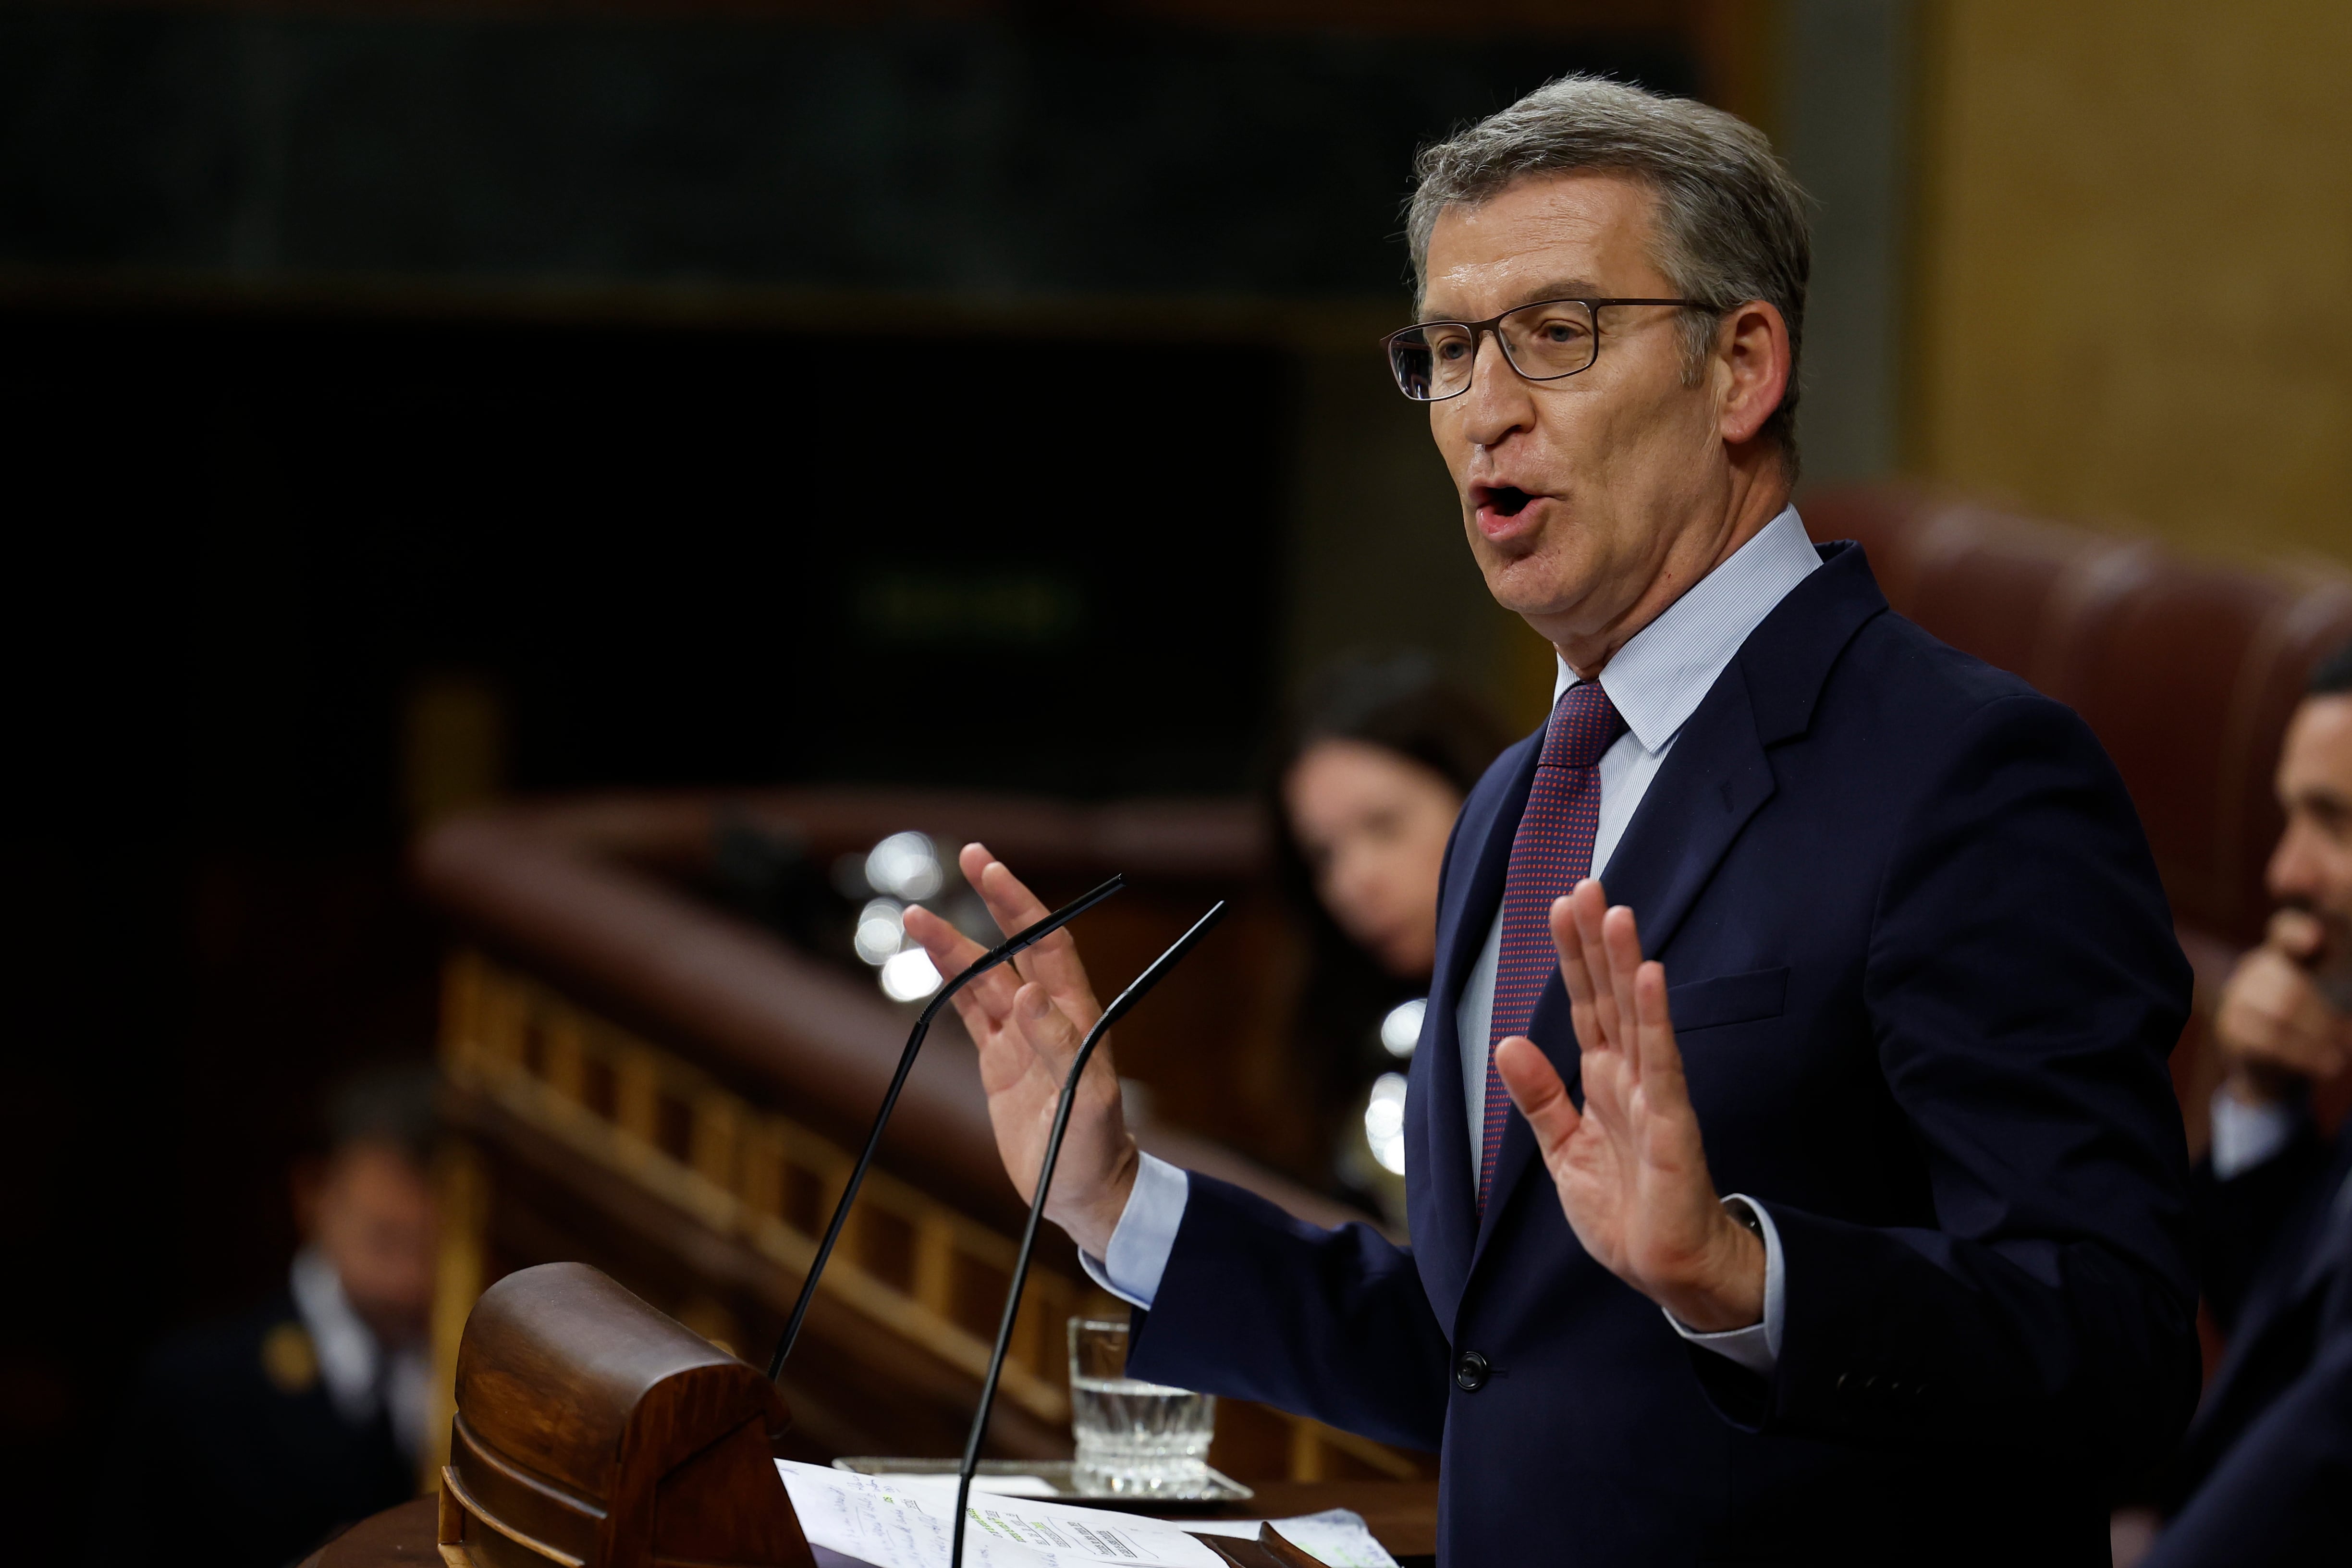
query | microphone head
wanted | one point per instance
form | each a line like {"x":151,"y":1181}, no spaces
{"x":1142,"y":984}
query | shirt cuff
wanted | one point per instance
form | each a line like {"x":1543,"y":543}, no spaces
{"x":2245,"y":1135}
{"x":1138,"y":1254}
{"x":1758,"y":1346}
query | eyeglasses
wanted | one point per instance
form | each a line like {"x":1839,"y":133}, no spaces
{"x":1543,"y":342}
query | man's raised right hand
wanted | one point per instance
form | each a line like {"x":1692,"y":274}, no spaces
{"x":1028,"y":1028}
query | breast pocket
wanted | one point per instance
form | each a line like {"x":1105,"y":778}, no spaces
{"x":1727,"y":999}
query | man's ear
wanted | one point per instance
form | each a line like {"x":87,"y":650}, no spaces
{"x":1753,"y":363}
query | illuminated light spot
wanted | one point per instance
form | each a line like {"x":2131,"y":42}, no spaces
{"x":906,"y":865}
{"x":910,"y":977}
{"x":1384,"y":1121}
{"x":881,"y":931}
{"x":1401,"y":1030}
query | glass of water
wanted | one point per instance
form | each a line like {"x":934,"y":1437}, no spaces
{"x":1133,"y":1437}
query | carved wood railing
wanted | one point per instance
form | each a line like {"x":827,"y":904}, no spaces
{"x":906,"y":1261}
{"x":648,"y":1084}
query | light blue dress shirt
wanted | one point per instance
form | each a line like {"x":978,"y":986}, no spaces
{"x":1656,"y":681}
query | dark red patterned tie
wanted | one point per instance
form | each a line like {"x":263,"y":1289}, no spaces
{"x":1549,"y":855}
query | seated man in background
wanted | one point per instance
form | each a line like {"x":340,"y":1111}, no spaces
{"x":2265,"y":1476}
{"x":257,"y":1438}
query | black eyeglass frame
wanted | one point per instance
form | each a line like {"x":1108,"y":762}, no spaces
{"x":1477,"y":330}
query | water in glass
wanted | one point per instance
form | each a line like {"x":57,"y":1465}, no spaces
{"x":1133,"y":1437}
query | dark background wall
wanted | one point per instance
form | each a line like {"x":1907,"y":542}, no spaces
{"x":1052,"y":151}
{"x":400,"y":406}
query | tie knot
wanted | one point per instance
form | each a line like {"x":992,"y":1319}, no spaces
{"x":1584,"y":723}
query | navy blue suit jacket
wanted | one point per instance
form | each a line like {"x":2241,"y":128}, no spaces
{"x":1924,"y":983}
{"x":2265,"y":1479}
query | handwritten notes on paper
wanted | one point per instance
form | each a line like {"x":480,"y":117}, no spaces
{"x":909,"y":1522}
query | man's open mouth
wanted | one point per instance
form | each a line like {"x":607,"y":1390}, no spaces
{"x":1507,"y":501}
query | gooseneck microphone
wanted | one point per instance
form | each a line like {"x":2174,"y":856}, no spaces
{"x":1136,"y":991}
{"x":1019,"y":941}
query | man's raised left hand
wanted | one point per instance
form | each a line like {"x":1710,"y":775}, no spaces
{"x":1631,"y":1174}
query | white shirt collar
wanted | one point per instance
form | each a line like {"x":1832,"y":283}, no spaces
{"x":1664,"y":670}
{"x":347,"y":1351}
{"x":352,"y":1362}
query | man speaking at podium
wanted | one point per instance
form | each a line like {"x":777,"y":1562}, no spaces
{"x":1841,"y":1220}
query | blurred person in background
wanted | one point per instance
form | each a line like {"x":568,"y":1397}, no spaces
{"x":2265,"y":1472}
{"x":1369,"y":778}
{"x":257,"y":1438}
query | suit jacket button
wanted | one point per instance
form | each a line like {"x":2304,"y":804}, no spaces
{"x":1470,"y":1370}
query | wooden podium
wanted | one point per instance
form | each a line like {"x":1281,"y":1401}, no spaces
{"x":593,"y":1431}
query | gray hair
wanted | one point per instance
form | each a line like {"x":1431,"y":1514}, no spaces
{"x":1731,"y":220}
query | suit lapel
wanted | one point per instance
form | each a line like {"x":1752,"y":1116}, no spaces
{"x":1443,"y":1215}
{"x":1717,"y":775}
{"x":1715,"y":778}
{"x":1712,"y":781}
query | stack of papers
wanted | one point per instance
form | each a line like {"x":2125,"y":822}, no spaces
{"x":909,"y":1522}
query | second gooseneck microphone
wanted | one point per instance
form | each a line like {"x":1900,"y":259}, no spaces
{"x":1135,"y":991}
